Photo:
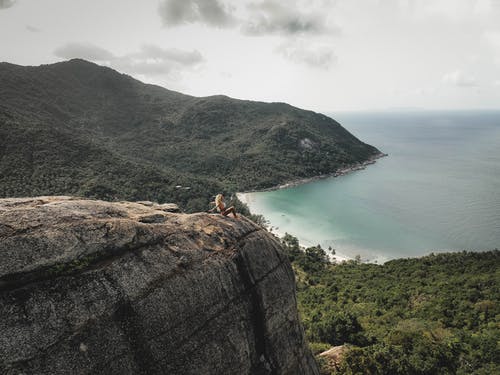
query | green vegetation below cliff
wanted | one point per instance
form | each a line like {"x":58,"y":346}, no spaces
{"x":82,"y":129}
{"x":438,"y":314}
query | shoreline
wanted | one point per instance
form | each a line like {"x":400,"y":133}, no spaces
{"x":243,"y":196}
{"x":339,"y":172}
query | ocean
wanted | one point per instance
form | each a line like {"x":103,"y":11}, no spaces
{"x":437,"y":190}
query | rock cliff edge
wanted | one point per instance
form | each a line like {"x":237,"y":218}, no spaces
{"x":132,"y":288}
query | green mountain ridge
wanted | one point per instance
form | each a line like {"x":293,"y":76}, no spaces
{"x":75,"y":127}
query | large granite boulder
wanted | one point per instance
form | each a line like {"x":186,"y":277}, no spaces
{"x":93,"y":287}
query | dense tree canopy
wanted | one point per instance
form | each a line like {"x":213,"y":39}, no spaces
{"x":439,"y":314}
{"x":79,"y":128}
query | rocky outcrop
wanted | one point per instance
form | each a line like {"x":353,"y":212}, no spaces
{"x":334,"y":357}
{"x":91,"y":287}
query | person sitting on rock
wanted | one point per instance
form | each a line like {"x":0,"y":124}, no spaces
{"x":221,"y":207}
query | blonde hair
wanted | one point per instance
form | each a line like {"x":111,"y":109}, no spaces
{"x":218,"y":200}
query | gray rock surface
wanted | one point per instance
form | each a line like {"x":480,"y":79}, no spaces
{"x":92,"y":287}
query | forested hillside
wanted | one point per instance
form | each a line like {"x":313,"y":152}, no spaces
{"x":438,"y":314}
{"x":79,"y":128}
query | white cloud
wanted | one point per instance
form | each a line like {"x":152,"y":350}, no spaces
{"x":423,"y":91}
{"x":316,"y":56}
{"x":460,"y":79}
{"x":407,"y":45}
{"x":275,"y":17}
{"x":150,"y":60}
{"x":32,"y":29}
{"x":255,"y":18}
{"x":4,"y":4}
{"x":152,"y":52}
{"x":153,"y":60}
{"x":210,"y":12}
{"x":492,"y":37}
{"x":454,"y":10}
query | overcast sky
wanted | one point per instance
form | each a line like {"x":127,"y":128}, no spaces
{"x":324,"y":55}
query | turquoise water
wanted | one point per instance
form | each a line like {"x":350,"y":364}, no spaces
{"x":438,"y":190}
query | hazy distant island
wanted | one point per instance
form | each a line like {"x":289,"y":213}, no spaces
{"x":79,"y":128}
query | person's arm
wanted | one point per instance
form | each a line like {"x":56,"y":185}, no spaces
{"x":213,"y":208}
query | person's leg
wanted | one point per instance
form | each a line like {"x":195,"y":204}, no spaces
{"x":234,"y":212}
{"x":230,"y":210}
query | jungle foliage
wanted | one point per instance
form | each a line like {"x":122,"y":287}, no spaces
{"x":78,"y":128}
{"x":439,"y":314}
